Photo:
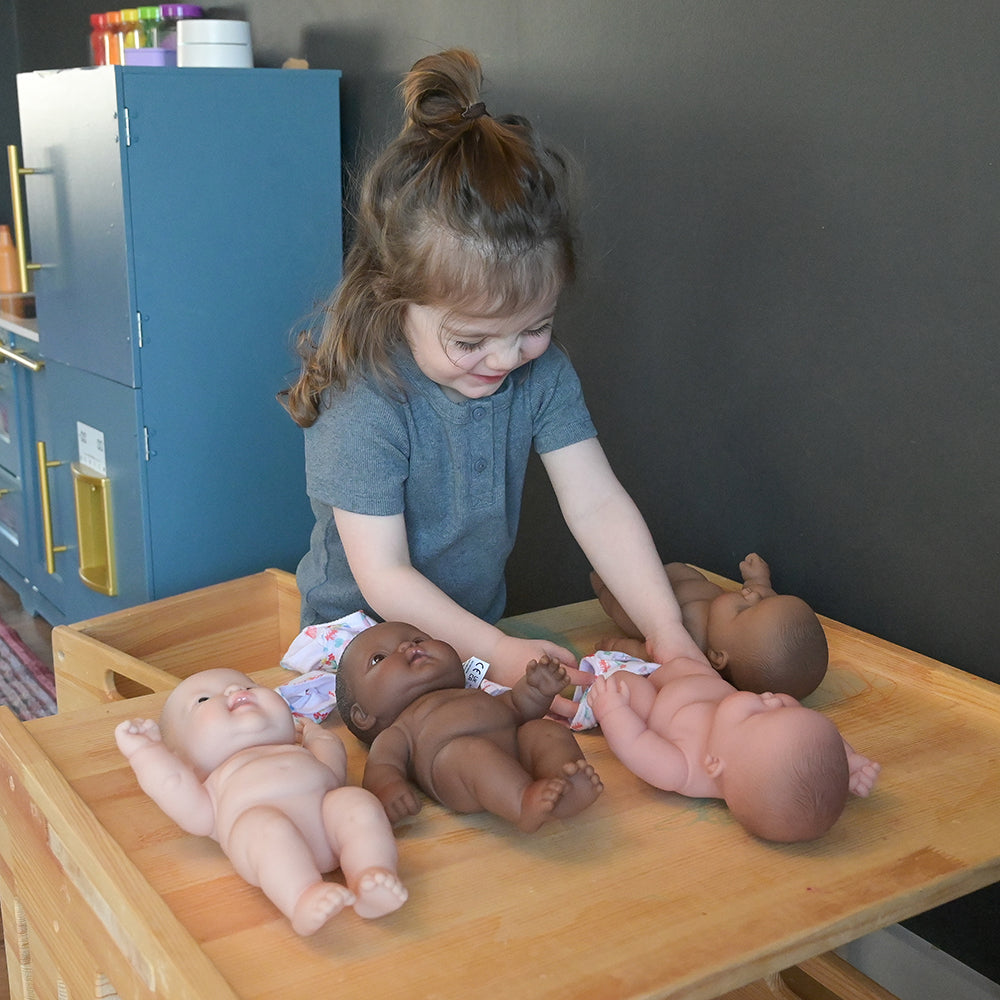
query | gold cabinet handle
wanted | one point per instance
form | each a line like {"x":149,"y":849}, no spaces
{"x":20,"y":358}
{"x":43,"y":488}
{"x":17,"y":205}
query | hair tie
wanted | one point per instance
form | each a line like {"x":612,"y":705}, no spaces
{"x":476,"y":110}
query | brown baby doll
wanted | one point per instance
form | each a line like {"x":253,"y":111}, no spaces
{"x":405,"y":695}
{"x":757,"y":639}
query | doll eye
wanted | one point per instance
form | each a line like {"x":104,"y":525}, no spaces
{"x":203,"y":699}
{"x":377,"y":658}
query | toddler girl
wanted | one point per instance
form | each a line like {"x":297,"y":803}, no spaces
{"x":434,"y":376}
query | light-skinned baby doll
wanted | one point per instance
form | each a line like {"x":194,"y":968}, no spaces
{"x":783,"y":769}
{"x":405,"y":695}
{"x":757,"y":639}
{"x":228,"y":761}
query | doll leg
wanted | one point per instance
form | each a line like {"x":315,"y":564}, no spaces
{"x":360,"y":833}
{"x":268,"y":850}
{"x":472,"y":774}
{"x":548,"y":750}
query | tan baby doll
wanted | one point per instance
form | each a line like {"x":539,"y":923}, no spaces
{"x":224,"y":763}
{"x":784,"y":770}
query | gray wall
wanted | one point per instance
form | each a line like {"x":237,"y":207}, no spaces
{"x":787,"y":323}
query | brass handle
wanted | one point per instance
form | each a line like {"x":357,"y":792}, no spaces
{"x":16,"y":173}
{"x":43,"y":487}
{"x":19,"y":357}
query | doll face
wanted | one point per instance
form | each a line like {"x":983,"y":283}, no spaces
{"x":471,"y":356}
{"x":391,"y":664}
{"x":213,"y":714}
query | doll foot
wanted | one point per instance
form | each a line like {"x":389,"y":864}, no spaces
{"x":379,"y":892}
{"x":318,"y":904}
{"x":584,"y":786}
{"x":539,"y":801}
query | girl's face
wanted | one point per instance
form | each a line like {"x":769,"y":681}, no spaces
{"x":470,"y":356}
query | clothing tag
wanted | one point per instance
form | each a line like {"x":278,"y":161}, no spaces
{"x":475,"y":671}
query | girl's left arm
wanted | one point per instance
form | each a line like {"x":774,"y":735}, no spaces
{"x":613,"y":535}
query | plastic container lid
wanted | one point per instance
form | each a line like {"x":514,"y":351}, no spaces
{"x":213,"y":32}
{"x":149,"y":13}
{"x":98,"y":20}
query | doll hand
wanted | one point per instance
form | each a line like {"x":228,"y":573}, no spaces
{"x":399,"y":800}
{"x":754,"y":569}
{"x":546,"y":675}
{"x":134,"y":735}
{"x":607,"y":694}
{"x":510,"y":654}
{"x":864,"y":774}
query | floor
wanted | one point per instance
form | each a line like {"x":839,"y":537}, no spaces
{"x":36,"y":633}
{"x":37,"y":636}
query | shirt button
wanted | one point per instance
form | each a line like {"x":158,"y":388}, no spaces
{"x":479,"y":412}
{"x":480,"y":465}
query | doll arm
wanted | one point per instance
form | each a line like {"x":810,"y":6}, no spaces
{"x":613,"y":535}
{"x":385,"y":774}
{"x":542,"y":680}
{"x":328,"y":748}
{"x":646,"y":754}
{"x":378,"y":552}
{"x":165,"y":778}
{"x":754,"y":570}
{"x":863,"y":772}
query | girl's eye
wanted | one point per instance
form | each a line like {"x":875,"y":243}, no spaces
{"x":468,"y":346}
{"x":540,"y":331}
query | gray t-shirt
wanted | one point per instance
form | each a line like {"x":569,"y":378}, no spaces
{"x":455,"y":468}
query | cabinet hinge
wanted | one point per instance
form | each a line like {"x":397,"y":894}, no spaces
{"x":128,"y":129}
{"x":138,"y":325}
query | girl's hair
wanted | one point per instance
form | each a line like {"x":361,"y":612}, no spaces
{"x":462,"y":209}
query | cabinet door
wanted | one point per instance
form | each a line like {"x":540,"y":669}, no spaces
{"x":73,"y":135}
{"x":90,"y":423}
{"x":14,"y":426}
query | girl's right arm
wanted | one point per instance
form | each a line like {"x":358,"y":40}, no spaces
{"x":379,"y":556}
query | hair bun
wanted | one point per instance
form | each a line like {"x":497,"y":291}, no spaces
{"x":440,"y":89}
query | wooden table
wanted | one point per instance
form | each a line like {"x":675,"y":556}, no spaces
{"x":645,"y":894}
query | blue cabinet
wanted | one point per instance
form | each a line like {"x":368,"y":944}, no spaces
{"x":185,"y":222}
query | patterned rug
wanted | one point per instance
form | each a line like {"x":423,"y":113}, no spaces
{"x":27,"y":685}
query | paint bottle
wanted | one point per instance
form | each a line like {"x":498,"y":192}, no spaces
{"x":149,"y":27}
{"x":170,"y":14}
{"x":99,"y":39}
{"x":115,"y":49}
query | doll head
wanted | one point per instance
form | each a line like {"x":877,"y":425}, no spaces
{"x":781,"y":768}
{"x":762,"y":641}
{"x":385,"y":669}
{"x":213,"y":714}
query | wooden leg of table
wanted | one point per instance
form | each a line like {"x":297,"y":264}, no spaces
{"x":826,"y":977}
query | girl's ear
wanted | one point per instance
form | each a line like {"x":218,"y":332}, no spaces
{"x":714,"y":766}
{"x":361,"y":719}
{"x":719,"y":658}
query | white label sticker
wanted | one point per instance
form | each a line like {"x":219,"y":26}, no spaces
{"x":91,"y":448}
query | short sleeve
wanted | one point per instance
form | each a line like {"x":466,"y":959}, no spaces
{"x":560,"y":415}
{"x":357,"y":452}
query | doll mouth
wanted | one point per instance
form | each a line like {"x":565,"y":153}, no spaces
{"x":415,"y":655}
{"x":240,"y":698}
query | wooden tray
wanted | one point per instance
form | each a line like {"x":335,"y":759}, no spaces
{"x":645,"y":894}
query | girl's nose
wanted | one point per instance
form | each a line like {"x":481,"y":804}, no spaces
{"x":504,"y":356}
